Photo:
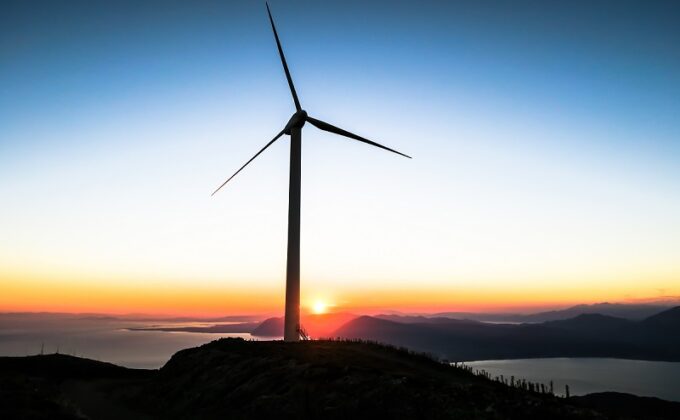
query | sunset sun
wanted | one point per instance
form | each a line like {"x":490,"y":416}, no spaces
{"x":319,"y":307}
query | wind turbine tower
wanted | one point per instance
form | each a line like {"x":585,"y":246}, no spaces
{"x":294,"y":129}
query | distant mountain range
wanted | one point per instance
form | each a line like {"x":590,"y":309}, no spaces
{"x":584,"y":335}
{"x":620,"y":310}
{"x":636,"y":331}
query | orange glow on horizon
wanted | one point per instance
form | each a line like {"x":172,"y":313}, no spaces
{"x":36,"y":294}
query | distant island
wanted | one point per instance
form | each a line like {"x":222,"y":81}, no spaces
{"x":237,"y":379}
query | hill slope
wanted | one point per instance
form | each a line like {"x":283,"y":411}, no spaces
{"x":232,"y":378}
{"x":47,"y":387}
{"x":669,"y":319}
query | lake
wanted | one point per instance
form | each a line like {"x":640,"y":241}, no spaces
{"x":588,"y":375}
{"x":109,"y":340}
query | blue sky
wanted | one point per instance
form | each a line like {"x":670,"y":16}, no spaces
{"x":545,"y":137}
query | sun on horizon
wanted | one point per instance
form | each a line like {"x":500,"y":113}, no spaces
{"x":319,"y":307}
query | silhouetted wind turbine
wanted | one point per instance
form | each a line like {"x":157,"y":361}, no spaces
{"x":294,"y":130}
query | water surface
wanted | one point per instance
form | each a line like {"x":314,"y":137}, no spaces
{"x":587,"y":375}
{"x":109,"y":340}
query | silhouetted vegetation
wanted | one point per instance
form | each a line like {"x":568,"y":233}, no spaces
{"x":522,"y":383}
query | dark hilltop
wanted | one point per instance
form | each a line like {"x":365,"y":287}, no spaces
{"x":237,"y":379}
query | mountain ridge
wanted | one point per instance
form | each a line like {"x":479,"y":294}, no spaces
{"x":587,"y":335}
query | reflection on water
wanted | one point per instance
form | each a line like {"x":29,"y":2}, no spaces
{"x":587,"y":375}
{"x":101,"y":339}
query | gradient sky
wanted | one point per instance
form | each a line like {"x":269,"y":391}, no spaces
{"x":545,"y":137}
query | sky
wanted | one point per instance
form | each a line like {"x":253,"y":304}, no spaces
{"x":545,"y":139}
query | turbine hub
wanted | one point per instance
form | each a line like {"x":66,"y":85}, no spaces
{"x":296,"y":121}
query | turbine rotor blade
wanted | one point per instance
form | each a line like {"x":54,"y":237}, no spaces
{"x":283,"y":61}
{"x":333,"y":129}
{"x":251,"y":159}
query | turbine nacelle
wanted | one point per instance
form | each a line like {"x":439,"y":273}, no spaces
{"x":296,"y":121}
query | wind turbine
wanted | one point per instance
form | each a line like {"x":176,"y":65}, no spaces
{"x":294,"y":129}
